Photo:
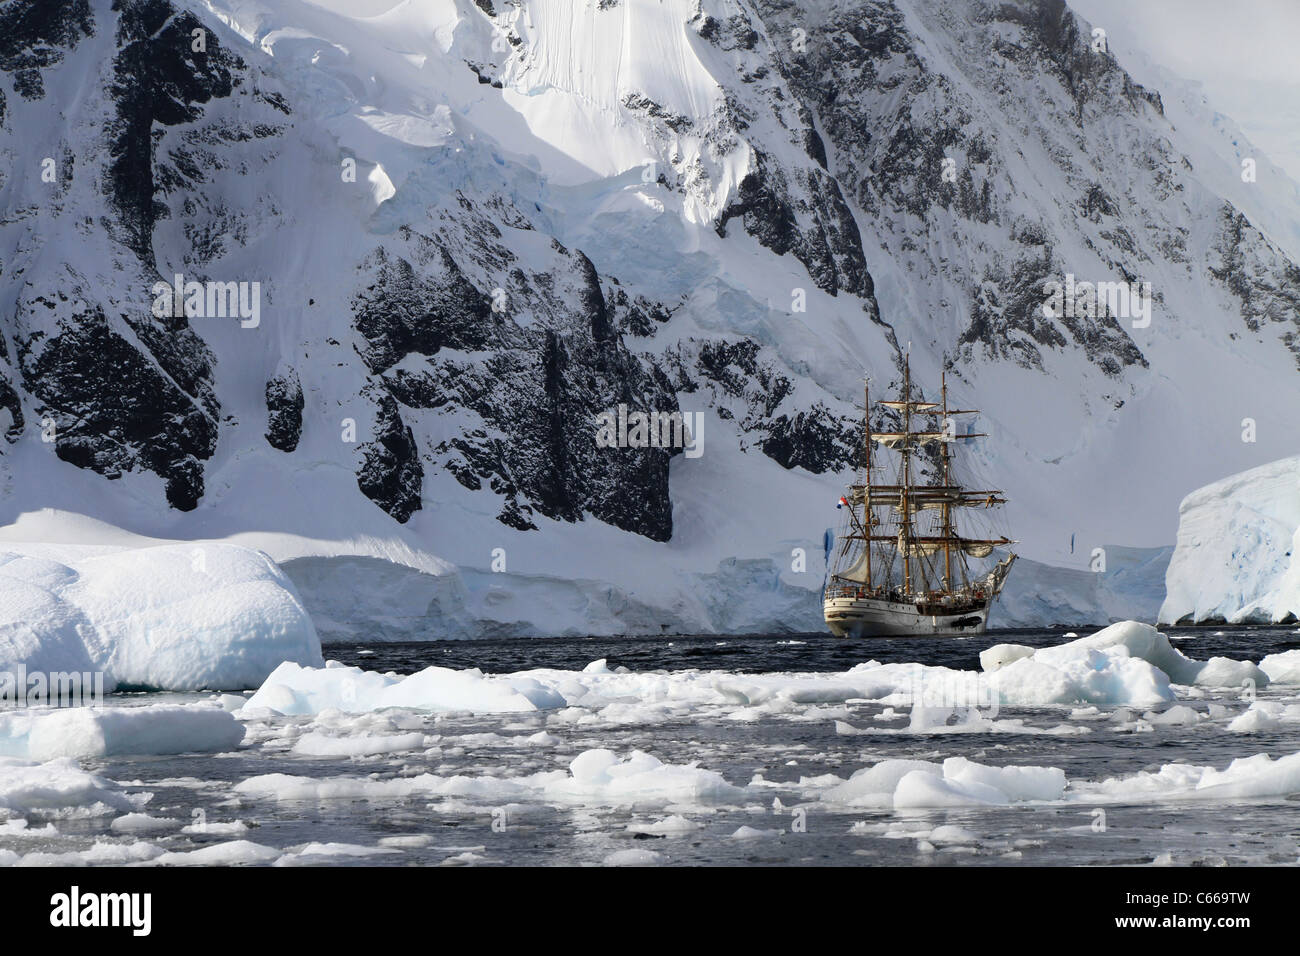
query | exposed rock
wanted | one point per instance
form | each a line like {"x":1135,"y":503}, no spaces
{"x":284,"y":404}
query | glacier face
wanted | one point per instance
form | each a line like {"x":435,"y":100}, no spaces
{"x":474,"y":226}
{"x":1235,"y":560}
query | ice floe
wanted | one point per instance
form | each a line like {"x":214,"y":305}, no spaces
{"x":45,"y":733}
{"x":1126,"y":664}
{"x":595,"y":777}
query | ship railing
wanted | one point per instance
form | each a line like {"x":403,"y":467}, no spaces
{"x":854,"y":592}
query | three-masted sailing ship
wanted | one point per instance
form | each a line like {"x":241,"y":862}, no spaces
{"x":901,"y":567}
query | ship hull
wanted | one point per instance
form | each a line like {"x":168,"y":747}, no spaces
{"x":865,"y":617}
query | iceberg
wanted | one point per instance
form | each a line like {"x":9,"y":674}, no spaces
{"x":1236,"y":557}
{"x":170,"y":617}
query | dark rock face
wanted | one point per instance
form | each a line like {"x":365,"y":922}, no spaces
{"x":1007,"y":319}
{"x":123,"y":389}
{"x":159,"y":80}
{"x":9,"y":400}
{"x":815,"y":440}
{"x":734,"y":381}
{"x":115,"y":409}
{"x":284,"y":404}
{"x":832,"y":253}
{"x":1062,"y":48}
{"x":799,"y":208}
{"x":390,"y":474}
{"x":485,"y":353}
{"x":1265,"y":282}
{"x":557,"y":361}
{"x":34,"y":36}
{"x":914,"y":153}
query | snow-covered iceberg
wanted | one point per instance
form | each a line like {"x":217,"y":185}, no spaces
{"x":292,"y":689}
{"x":170,"y":617}
{"x":1236,"y":557}
{"x":1098,"y":661}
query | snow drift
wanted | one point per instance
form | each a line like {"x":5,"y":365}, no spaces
{"x":1236,"y":556}
{"x":172,"y":617}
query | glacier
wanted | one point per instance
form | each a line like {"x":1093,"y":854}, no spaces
{"x":1236,"y":559}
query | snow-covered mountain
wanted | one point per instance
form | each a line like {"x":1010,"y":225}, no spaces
{"x":465,"y":229}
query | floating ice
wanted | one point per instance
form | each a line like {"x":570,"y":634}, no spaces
{"x":594,"y":778}
{"x":324,"y":745}
{"x":962,"y":782}
{"x":957,"y":782}
{"x":633,"y":858}
{"x":1124,"y":664}
{"x":1255,"y":777}
{"x":171,"y":617}
{"x":234,"y":853}
{"x":1180,"y":715}
{"x":26,"y":785}
{"x":44,"y":734}
{"x":752,"y":833}
{"x":1282,"y":668}
{"x":293,"y":689}
{"x":675,"y":825}
{"x":1265,"y":715}
{"x":137,"y":823}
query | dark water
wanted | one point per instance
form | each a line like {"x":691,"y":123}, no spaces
{"x":759,"y":653}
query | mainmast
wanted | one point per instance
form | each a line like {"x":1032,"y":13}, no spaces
{"x":905,"y":528}
{"x":868,"y":515}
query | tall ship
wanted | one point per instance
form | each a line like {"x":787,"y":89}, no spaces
{"x":901,"y":565}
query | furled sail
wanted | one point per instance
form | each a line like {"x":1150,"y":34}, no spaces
{"x":898,"y":439}
{"x":915,"y":406}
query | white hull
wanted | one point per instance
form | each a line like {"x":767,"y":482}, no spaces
{"x":866,"y":617}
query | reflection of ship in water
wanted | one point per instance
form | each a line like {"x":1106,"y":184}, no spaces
{"x":902,"y":566}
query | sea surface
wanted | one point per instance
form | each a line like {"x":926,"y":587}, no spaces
{"x":774,"y":756}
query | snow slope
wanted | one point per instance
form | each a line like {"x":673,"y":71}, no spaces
{"x":1236,"y":557}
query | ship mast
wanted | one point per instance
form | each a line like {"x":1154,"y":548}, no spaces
{"x":905,"y":526}
{"x":868,"y":514}
{"x":947,"y":508}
